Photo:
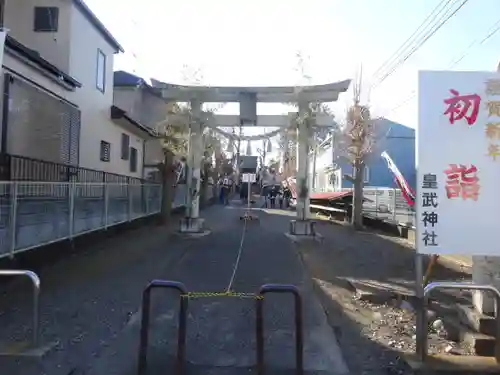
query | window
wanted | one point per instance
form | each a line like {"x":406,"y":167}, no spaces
{"x":125,"y":146}
{"x":105,"y":153}
{"x":101,"y":71}
{"x":46,"y":19}
{"x":367,"y":175}
{"x":133,"y":159}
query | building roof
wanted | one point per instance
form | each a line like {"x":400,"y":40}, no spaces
{"x":92,"y":18}
{"x":386,"y":128}
{"x":33,"y":56}
{"x":123,"y":78}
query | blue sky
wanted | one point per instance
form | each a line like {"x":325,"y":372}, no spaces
{"x":255,"y":42}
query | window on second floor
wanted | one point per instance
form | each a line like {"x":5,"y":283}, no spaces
{"x":125,"y":146}
{"x":46,"y":19}
{"x":101,"y":71}
{"x":105,"y":152}
{"x":367,"y":175}
{"x":133,"y":159}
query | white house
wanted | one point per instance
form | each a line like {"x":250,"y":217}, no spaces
{"x":58,"y":89}
{"x":145,"y":104}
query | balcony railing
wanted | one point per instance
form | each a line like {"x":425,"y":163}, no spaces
{"x":21,"y":168}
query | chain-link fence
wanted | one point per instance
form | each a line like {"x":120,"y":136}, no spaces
{"x":387,"y":204}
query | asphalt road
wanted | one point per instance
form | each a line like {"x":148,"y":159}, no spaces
{"x":91,"y":304}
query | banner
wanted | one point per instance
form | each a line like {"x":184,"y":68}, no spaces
{"x":406,"y":189}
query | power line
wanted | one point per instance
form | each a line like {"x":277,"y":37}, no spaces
{"x":491,"y":31}
{"x":420,"y":44}
{"x":406,"y":44}
{"x":466,"y":52}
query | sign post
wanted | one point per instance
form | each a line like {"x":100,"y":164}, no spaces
{"x":249,"y":178}
{"x":458,"y":163}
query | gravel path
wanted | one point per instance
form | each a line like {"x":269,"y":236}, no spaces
{"x":87,"y":298}
{"x":91,"y":303}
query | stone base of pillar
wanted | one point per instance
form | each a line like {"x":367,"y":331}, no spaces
{"x":303,"y":231}
{"x":303,"y":228}
{"x":193,"y":226}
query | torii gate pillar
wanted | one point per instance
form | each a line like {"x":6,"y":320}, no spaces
{"x":192,"y":223}
{"x":303,"y":226}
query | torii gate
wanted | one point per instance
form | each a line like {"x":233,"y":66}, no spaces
{"x":248,"y":97}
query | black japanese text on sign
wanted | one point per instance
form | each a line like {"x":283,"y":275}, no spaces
{"x":429,"y":217}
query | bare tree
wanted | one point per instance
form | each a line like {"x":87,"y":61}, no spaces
{"x":355,"y":141}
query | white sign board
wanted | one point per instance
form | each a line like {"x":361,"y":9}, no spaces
{"x":249,"y":177}
{"x":458,"y":163}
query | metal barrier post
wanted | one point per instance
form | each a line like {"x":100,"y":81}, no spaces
{"x":421,"y":308}
{"x":106,"y":205}
{"x":71,"y":202}
{"x":130,"y":201}
{"x":394,"y":203}
{"x":13,"y":218}
{"x":299,"y":329}
{"x":36,"y":296}
{"x":145,"y":322}
{"x":421,"y":342}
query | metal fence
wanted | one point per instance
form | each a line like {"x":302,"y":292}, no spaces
{"x":21,"y":168}
{"x":34,"y":214}
{"x":388,"y":204}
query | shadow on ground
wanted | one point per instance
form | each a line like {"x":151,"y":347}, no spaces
{"x":371,"y":337}
{"x":377,"y":256}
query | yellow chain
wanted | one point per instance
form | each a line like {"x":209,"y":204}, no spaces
{"x":221,"y":294}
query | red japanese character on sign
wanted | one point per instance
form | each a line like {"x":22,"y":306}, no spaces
{"x":462,"y":181}
{"x":463,"y":106}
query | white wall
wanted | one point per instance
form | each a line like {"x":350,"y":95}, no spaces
{"x":95,"y":105}
{"x":55,"y":47}
{"x":147,"y":109}
{"x":324,"y":158}
{"x":129,"y":99}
